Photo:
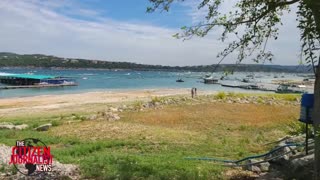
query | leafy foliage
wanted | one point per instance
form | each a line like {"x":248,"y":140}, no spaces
{"x":253,"y":23}
{"x":309,"y":35}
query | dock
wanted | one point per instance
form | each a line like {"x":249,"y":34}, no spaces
{"x":21,"y":81}
{"x":35,"y":86}
{"x":248,"y":87}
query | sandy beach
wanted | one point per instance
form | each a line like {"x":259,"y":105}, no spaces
{"x":43,"y":103}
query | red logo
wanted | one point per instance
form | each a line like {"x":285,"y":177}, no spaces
{"x":34,"y":155}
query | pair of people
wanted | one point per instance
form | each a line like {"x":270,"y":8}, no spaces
{"x":193,"y":92}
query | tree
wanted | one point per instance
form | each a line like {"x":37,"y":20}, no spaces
{"x":260,"y":20}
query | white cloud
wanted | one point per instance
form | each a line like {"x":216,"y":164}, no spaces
{"x":34,"y":26}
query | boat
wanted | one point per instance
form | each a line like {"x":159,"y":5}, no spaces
{"x":287,"y":89}
{"x":245,"y":80}
{"x":250,"y":76}
{"x":43,"y":83}
{"x":250,"y":86}
{"x":210,"y":80}
{"x":225,"y":78}
{"x":179,"y":80}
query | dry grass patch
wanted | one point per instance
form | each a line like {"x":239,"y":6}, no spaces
{"x":216,"y":129}
{"x":212,"y":115}
{"x":104,"y":130}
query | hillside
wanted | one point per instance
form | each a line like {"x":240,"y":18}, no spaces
{"x":47,"y":61}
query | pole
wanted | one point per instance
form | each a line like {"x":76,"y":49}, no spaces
{"x":307,"y":139}
{"x":307,"y":136}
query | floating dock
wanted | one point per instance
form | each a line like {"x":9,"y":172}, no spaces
{"x":19,"y":81}
{"x":248,"y":87}
{"x":36,"y":86}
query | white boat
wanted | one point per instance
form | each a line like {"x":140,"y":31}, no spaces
{"x":211,"y":80}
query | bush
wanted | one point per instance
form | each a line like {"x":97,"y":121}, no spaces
{"x":137,"y":105}
{"x":260,"y":100}
{"x":156,"y":99}
{"x":56,"y":123}
{"x":290,"y":97}
{"x":296,"y":128}
{"x":35,"y":125}
{"x":221,"y":95}
{"x":17,"y":123}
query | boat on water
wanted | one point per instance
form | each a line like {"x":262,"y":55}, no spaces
{"x":245,"y":80}
{"x":210,"y":80}
{"x":250,"y":86}
{"x":287,"y":89}
{"x":250,"y":76}
{"x":179,"y":80}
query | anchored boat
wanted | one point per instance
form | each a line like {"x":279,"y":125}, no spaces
{"x":287,"y":89}
{"x":211,"y":81}
{"x":179,"y":80}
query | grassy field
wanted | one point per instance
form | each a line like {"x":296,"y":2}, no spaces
{"x":154,"y":143}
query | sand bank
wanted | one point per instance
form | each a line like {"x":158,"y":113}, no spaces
{"x":48,"y":102}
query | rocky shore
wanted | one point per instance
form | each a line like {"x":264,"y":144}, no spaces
{"x":288,"y":160}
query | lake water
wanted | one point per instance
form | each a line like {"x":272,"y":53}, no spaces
{"x":101,"y":80}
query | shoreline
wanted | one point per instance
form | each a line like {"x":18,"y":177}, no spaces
{"x":92,"y":101}
{"x":115,"y":91}
{"x":44,"y":103}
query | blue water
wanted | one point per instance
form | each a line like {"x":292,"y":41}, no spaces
{"x":102,"y":80}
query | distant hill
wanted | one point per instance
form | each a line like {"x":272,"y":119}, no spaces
{"x":8,"y":59}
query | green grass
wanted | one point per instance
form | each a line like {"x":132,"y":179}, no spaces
{"x":153,"y":144}
{"x":148,"y":167}
{"x":119,"y":159}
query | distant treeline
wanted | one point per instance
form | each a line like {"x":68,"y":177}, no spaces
{"x":45,"y":61}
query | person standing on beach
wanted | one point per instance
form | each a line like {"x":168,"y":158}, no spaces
{"x":195,"y":91}
{"x":192,"y":92}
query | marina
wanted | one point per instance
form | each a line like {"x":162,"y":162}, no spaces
{"x":36,"y":86}
{"x":22,"y":82}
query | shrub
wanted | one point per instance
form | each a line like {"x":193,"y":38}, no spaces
{"x":56,"y":123}
{"x":137,"y":105}
{"x":156,"y":99}
{"x":260,"y":100}
{"x":35,"y":125}
{"x":221,"y":95}
{"x":296,"y":128}
{"x":17,"y":123}
{"x":290,"y":97}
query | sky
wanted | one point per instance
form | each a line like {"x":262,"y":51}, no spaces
{"x":121,"y":30}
